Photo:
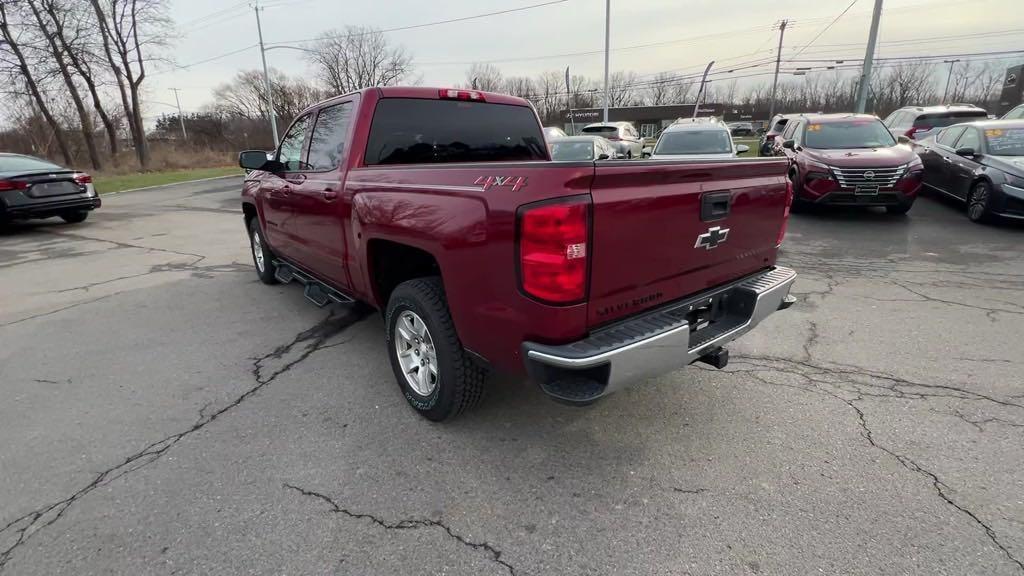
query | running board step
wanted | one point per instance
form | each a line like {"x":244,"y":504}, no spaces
{"x":315,"y":291}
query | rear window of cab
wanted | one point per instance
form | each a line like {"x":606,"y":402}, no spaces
{"x":423,"y":131}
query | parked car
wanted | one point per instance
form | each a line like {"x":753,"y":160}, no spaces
{"x":775,"y":128}
{"x":697,"y":139}
{"x":850,"y":160}
{"x":586,"y":148}
{"x":34,"y":188}
{"x":981,"y":163}
{"x":917,"y":122}
{"x":1015,"y":113}
{"x":741,"y":128}
{"x":622,"y":134}
{"x":552,"y":132}
{"x":442,"y":209}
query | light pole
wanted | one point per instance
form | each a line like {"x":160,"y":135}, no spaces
{"x":181,"y":117}
{"x":266,"y":75}
{"x":948,"y":77}
{"x":778,"y":62}
{"x":607,"y":41}
{"x":869,"y":57}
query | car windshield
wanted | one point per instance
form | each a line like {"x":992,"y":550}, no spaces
{"x":600,"y":130}
{"x":849,"y":134}
{"x":1005,"y":141}
{"x":572,"y":151}
{"x":24,"y":164}
{"x":695,"y":142}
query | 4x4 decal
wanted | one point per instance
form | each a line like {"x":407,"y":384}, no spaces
{"x":488,"y":182}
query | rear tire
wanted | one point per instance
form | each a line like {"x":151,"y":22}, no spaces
{"x":979,"y":203}
{"x":436,"y":375}
{"x":75,"y":217}
{"x":262,"y":256}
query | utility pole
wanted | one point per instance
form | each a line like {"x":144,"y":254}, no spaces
{"x":607,"y":41}
{"x":869,"y":57}
{"x":266,"y":74}
{"x":181,"y":117}
{"x":778,"y":62}
{"x":949,"y":77}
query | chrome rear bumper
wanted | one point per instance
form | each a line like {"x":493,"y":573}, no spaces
{"x":656,"y":342}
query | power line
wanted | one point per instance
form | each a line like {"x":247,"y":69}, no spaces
{"x":215,"y":14}
{"x":823,"y":30}
{"x":427,"y":24}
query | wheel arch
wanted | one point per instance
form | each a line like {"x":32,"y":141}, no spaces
{"x":389,"y":263}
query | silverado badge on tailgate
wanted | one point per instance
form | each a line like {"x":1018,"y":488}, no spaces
{"x":712,"y":238}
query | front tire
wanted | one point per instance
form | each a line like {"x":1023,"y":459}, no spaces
{"x":979,"y":203}
{"x":75,"y":217}
{"x":262,"y":256}
{"x":436,"y":375}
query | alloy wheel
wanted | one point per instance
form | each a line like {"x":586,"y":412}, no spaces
{"x":416,"y":353}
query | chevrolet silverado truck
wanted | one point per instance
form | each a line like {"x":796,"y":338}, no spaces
{"x":442,"y":209}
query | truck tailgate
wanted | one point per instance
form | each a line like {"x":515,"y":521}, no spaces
{"x":647,"y":220}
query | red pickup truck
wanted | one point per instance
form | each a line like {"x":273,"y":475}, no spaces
{"x":443,"y":209}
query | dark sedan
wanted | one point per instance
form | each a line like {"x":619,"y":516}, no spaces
{"x":34,"y":188}
{"x":981,"y":163}
{"x":576,"y":148}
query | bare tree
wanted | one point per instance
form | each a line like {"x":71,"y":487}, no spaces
{"x":12,"y":44}
{"x":521,"y":86}
{"x":245,"y":96}
{"x":621,"y":88}
{"x":73,"y":28}
{"x":85,"y":122}
{"x":660,"y":89}
{"x":122,"y":24}
{"x":486,"y":77}
{"x":358,"y":57}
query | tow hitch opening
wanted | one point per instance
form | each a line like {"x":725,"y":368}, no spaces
{"x":719,"y":358}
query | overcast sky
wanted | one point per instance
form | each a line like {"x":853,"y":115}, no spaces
{"x":689,"y":34}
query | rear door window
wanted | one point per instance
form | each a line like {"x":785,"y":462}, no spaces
{"x":421,"y":131}
{"x":330,"y":134}
{"x":948,"y":136}
{"x":790,"y":129}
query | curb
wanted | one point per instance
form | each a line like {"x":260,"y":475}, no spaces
{"x":171,"y":184}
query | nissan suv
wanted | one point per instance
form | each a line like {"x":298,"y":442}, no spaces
{"x":918,"y":122}
{"x":850,"y":160}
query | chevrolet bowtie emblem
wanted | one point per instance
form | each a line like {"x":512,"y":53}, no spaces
{"x":712,"y":238}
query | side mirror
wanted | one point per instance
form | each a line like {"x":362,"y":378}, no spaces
{"x":789,"y":144}
{"x":902,"y":139}
{"x":257,"y":160}
{"x":965,"y":152}
{"x":742,"y":148}
{"x":602,"y":156}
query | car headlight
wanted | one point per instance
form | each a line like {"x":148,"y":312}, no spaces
{"x":812,"y":166}
{"x":1013,"y":190}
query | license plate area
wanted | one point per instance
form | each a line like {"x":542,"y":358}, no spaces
{"x":866,"y":190}
{"x":47,"y":189}
{"x":706,"y":312}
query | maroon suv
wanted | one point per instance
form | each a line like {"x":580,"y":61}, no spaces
{"x":850,"y":160}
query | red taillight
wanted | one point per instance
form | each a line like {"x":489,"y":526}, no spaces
{"x":785,"y":214}
{"x":769,"y":137}
{"x":13,"y":185}
{"x":83,"y":178}
{"x":452,"y":94}
{"x":910,"y":133}
{"x":613,"y":138}
{"x":553,"y":251}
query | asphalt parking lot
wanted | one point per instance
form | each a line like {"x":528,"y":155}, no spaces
{"x":165,"y":413}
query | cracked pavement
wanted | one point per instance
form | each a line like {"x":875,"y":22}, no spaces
{"x":165,"y":413}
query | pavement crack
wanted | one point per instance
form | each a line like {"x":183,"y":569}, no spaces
{"x":689,"y":490}
{"x":61,"y":309}
{"x":25,"y":527}
{"x":408,"y":524}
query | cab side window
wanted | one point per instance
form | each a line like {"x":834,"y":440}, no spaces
{"x":330,"y":134}
{"x":790,"y":130}
{"x":290,"y":152}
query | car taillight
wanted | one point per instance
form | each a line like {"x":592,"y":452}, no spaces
{"x":910,"y":133}
{"x":553,"y":251}
{"x":785,"y":214}
{"x":13,"y":185}
{"x":451,"y":94}
{"x":83,"y":178}
{"x":769,"y":137}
